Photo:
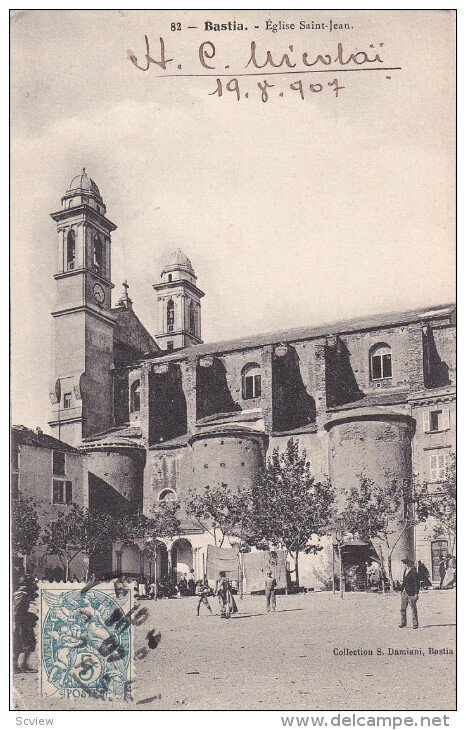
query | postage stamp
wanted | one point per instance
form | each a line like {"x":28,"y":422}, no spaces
{"x":86,"y":641}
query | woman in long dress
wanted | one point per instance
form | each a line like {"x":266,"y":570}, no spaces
{"x":450,"y":575}
{"x":225,"y":596}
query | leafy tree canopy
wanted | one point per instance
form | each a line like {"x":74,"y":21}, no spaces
{"x":220,"y":511}
{"x":25,"y":528}
{"x":291,"y":508}
{"x":79,"y":530}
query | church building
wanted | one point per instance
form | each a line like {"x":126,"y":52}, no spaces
{"x":157,"y":413}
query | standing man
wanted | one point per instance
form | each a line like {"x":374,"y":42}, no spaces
{"x":270,"y":585}
{"x":409,"y":592}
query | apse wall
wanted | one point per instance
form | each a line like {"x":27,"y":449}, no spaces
{"x":121,"y":468}
{"x":232,"y":456}
{"x":375,"y":444}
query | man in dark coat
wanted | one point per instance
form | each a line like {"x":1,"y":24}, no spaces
{"x":409,"y":592}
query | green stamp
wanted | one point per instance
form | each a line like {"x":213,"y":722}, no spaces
{"x":86,"y":642}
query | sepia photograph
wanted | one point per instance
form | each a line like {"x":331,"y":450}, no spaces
{"x":233,"y":361}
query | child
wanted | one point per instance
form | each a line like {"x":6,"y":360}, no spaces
{"x":202,"y":591}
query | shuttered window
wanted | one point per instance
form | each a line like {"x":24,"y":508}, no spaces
{"x":437,"y":467}
{"x":58,"y":462}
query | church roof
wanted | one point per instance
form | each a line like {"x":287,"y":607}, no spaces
{"x":378,"y":321}
{"x":84,"y":182}
{"x":130,"y":331}
{"x":178,"y":260}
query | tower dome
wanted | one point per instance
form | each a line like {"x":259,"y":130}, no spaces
{"x":83,"y":182}
{"x":82,"y":190}
{"x":178,"y":304}
{"x":178,"y":261}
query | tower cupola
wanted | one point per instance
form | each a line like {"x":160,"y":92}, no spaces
{"x":82,"y":190}
{"x":178,"y":304}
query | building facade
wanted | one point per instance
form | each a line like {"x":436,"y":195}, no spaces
{"x":157,"y":414}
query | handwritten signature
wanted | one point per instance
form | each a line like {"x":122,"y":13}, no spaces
{"x":207,"y":52}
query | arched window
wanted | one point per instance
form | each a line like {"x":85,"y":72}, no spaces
{"x":169,"y":277}
{"x":98,"y":254}
{"x":167,"y":495}
{"x":170,"y":315}
{"x":251,"y":377}
{"x":381,"y":362}
{"x":192,"y":319}
{"x":70,"y":250}
{"x":135,"y":398}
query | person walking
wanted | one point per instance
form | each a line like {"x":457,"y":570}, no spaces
{"x":202,"y":591}
{"x":409,"y":593}
{"x":270,"y":585}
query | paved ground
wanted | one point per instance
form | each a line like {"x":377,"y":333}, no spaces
{"x":286,"y":660}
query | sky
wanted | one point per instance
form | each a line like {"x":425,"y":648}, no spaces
{"x":294,"y":212}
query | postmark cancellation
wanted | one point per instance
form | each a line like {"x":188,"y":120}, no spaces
{"x":86,"y":641}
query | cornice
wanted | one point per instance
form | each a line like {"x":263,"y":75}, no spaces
{"x":84,"y":209}
{"x":178,"y":284}
{"x":83,"y":270}
{"x":84,"y":308}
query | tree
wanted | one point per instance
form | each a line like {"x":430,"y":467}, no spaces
{"x":290,"y":507}
{"x":220,"y":511}
{"x":373,"y":511}
{"x":439,"y":503}
{"x":25,"y":528}
{"x":162,"y":521}
{"x":79,"y":531}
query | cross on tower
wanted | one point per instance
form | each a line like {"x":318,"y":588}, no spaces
{"x":125,"y":300}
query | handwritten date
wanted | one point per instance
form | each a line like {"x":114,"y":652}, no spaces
{"x":300,"y":89}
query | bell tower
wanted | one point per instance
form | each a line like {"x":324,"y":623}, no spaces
{"x":81,"y":388}
{"x":178,"y":305}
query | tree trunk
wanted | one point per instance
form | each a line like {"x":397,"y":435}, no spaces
{"x":390,"y":575}
{"x":67,"y":570}
{"x":382,"y":570}
{"x":296,"y":565}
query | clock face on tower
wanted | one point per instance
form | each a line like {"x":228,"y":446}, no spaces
{"x":99,"y":294}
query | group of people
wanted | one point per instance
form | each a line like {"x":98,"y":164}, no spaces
{"x":447,"y":570}
{"x":226,"y":598}
{"x":167,"y":587}
{"x":223,"y":592}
